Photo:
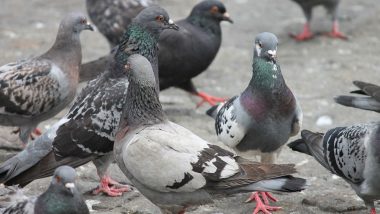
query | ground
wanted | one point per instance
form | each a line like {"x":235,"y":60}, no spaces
{"x":316,"y":71}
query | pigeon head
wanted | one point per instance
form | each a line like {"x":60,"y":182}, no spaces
{"x":77,"y":22}
{"x":64,"y":179}
{"x":266,"y":46}
{"x":155,"y":19}
{"x":211,"y":9}
{"x":140,"y":70}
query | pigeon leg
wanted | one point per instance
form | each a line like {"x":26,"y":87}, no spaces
{"x":264,"y":196}
{"x":111,"y":187}
{"x":335,"y":33}
{"x":304,"y":35}
{"x":260,"y":205}
{"x":373,"y":211}
{"x":208,"y":98}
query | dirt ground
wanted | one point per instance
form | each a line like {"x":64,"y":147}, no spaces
{"x":316,"y":71}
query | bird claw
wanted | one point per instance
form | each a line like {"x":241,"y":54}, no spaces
{"x":111,"y":187}
{"x":337,"y":34}
{"x":260,"y":205}
{"x":209,"y":99}
{"x":373,"y":211}
{"x":302,"y":36}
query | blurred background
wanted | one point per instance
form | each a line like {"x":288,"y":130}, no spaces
{"x":316,"y":71}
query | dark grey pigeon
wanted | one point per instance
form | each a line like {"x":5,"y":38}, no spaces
{"x":173,"y":167}
{"x":61,"y":197}
{"x":352,"y":152}
{"x":88,"y":130}
{"x":371,"y":100}
{"x":112,"y":17}
{"x":36,"y":89}
{"x":307,"y":7}
{"x":185,"y":53}
{"x":262,"y":118}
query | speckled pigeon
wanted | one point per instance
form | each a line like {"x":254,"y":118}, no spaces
{"x":262,"y":118}
{"x":112,"y":17}
{"x":61,"y":197}
{"x":173,"y":167}
{"x":88,"y":130}
{"x":186,"y":53}
{"x":369,"y":102}
{"x":307,"y":7}
{"x":352,"y":152}
{"x":36,"y":89}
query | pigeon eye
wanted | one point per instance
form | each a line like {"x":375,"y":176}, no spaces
{"x":83,"y":21}
{"x":260,"y":45}
{"x":214,"y":9}
{"x":160,"y":18}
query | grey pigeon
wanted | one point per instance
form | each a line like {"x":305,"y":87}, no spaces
{"x":36,"y":89}
{"x":351,"y":152}
{"x":112,"y":17}
{"x":185,"y":53}
{"x":307,"y":7}
{"x":88,"y":130}
{"x":262,"y":118}
{"x":62,"y":197}
{"x":173,"y":167}
{"x":369,"y":102}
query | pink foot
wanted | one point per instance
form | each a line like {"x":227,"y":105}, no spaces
{"x":373,"y":211}
{"x":110,"y":187}
{"x":304,"y":35}
{"x":335,"y":33}
{"x":260,"y":205}
{"x":209,"y":99}
{"x":37,"y":132}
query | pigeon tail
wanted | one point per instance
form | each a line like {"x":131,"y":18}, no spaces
{"x":299,"y":146}
{"x":366,"y":103}
{"x":282,"y":184}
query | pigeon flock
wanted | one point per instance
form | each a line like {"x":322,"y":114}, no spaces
{"x":118,"y":116}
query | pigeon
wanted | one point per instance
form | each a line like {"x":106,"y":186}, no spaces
{"x":369,"y":102}
{"x":307,"y":7}
{"x":186,"y":53}
{"x":36,"y":89}
{"x":350,"y":152}
{"x":112,"y":17}
{"x":262,"y":118}
{"x":192,"y":48}
{"x":61,"y":197}
{"x":173,"y":167}
{"x":88,"y":130}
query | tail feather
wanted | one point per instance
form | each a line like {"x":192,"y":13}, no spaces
{"x":282,"y":184}
{"x":366,"y":103}
{"x":45,"y":168}
{"x":299,"y":146}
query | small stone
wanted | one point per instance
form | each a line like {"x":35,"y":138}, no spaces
{"x":324,"y":121}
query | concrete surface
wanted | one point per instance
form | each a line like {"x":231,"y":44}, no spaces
{"x":316,"y":71}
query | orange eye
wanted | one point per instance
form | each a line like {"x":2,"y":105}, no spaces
{"x":214,"y":9}
{"x":83,"y":21}
{"x":160,"y":18}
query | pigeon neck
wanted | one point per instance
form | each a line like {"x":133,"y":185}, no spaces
{"x":207,"y":24}
{"x":142,"y":107}
{"x":66,"y":43}
{"x":266,"y":76}
{"x":137,"y":40}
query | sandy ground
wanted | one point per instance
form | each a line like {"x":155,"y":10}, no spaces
{"x":316,"y":71}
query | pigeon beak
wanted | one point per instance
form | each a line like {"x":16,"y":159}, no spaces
{"x":89,"y":27}
{"x":272,"y":54}
{"x":226,"y":17}
{"x":70,"y":187}
{"x":170,"y":25}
